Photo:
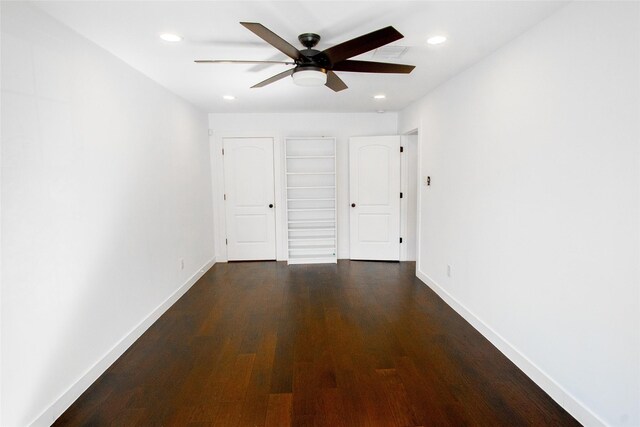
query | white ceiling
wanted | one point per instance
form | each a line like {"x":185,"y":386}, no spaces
{"x":130,"y":29}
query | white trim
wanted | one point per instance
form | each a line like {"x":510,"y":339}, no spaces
{"x":418,"y":131}
{"x":217,"y":187}
{"x":558,"y":393}
{"x":63,"y":402}
{"x":279,"y":176}
{"x":1,"y":287}
{"x":419,"y":197}
{"x":404,"y":189}
{"x":215,"y":171}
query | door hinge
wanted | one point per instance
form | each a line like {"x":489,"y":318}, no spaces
{"x":223,"y":151}
{"x":401,"y":194}
{"x":226,"y":241}
{"x":401,"y":149}
{"x":401,"y":240}
{"x":225,"y":197}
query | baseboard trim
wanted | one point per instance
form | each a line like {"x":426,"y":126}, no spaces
{"x":68,"y":397}
{"x":565,"y":399}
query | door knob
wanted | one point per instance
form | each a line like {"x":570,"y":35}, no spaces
{"x":270,"y":205}
{"x":353,"y":205}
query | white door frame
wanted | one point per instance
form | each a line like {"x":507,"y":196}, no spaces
{"x":217,"y":186}
{"x":404,"y":187}
{"x":409,"y":155}
{"x":418,"y":130}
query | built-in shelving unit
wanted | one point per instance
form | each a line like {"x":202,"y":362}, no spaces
{"x":310,"y":168}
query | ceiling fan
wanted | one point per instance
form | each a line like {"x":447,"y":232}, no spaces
{"x":314,"y":67}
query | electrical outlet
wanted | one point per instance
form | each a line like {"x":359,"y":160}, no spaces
{"x":181,"y":264}
{"x":426,"y":181}
{"x":448,"y":270}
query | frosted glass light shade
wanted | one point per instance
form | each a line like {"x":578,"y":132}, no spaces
{"x":309,"y":77}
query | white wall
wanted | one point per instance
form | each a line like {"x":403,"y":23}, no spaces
{"x":105,"y":187}
{"x":341,"y":126}
{"x":534,"y":159}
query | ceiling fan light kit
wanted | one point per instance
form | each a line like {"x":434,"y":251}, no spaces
{"x":310,"y":76}
{"x":316,"y":68}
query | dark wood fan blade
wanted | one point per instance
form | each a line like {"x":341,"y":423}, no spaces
{"x":239,"y":61}
{"x":275,"y":78}
{"x":372,"y":67}
{"x":334,"y":82}
{"x":362,"y":44}
{"x":274,"y":40}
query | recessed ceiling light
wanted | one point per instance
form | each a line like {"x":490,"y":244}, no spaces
{"x":380,"y":111}
{"x":168,"y":37}
{"x":229,"y":97}
{"x":379,"y":96}
{"x":436,"y":39}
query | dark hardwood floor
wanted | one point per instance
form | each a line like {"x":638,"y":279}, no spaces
{"x":357,"y":344}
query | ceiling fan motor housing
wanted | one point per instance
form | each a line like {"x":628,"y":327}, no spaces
{"x":314,"y":57}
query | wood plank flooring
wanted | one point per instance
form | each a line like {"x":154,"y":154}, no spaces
{"x":353,"y":344}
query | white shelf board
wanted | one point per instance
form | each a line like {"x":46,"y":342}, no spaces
{"x":311,"y":209}
{"x":310,"y":200}
{"x":319,"y":255}
{"x":311,"y":157}
{"x":311,"y":188}
{"x":310,"y":221}
{"x":318,"y":260}
{"x":302,"y":239}
{"x":313,"y":248}
{"x":310,"y":229}
{"x":311,"y":173}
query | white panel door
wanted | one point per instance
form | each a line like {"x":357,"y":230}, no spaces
{"x":249,"y":193}
{"x":374,"y":190}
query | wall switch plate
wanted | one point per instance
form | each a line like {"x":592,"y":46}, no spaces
{"x":182,"y":264}
{"x":448,"y":270}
